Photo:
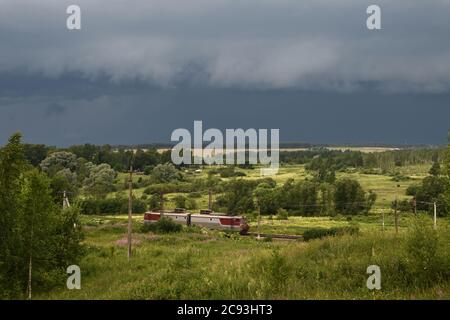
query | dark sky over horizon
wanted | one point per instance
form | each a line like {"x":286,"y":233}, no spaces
{"x":138,"y":70}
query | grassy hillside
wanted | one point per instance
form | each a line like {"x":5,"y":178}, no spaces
{"x":205,"y":264}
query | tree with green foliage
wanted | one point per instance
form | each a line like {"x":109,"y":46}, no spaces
{"x":326,"y":201}
{"x":156,"y":201}
{"x":324,"y":170}
{"x":435,"y":169}
{"x":350,"y":197}
{"x":62,"y":167}
{"x":147,"y":158}
{"x":167,"y":172}
{"x":432,"y":189}
{"x":35,"y":153}
{"x":39,"y":220}
{"x":191,"y":204}
{"x":180,"y":201}
{"x":68,"y":237}
{"x":32,"y":237}
{"x":12,"y":166}
{"x":267,"y":199}
{"x":101,"y":181}
{"x":300,"y":198}
{"x":58,"y":161}
{"x":238,"y":197}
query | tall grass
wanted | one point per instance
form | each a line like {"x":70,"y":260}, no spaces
{"x":206,"y":265}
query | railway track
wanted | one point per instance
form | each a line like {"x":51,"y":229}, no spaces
{"x":275,"y":236}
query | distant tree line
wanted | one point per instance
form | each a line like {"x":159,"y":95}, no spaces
{"x":118,"y":158}
{"x":303,"y":198}
{"x":385,"y":161}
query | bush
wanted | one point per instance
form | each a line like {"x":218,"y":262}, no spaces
{"x":282,"y":214}
{"x":110,"y":206}
{"x":191,"y":204}
{"x":180,"y":201}
{"x":399,"y":177}
{"x":195,"y":194}
{"x":412,"y":190}
{"x":273,"y":272}
{"x":427,"y":258}
{"x":167,"y":172}
{"x":163,"y":225}
{"x":403,"y":205}
{"x":155,"y":202}
{"x":317,"y":233}
{"x":164,"y":188}
{"x":139,"y":206}
{"x":230,"y":171}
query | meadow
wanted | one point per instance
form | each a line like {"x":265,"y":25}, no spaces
{"x":205,"y":264}
{"x":383,"y":185}
{"x":197,"y":263}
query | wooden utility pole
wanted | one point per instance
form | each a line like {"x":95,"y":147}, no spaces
{"x":396,"y":216}
{"x":30,"y":263}
{"x":259,"y":222}
{"x":209,"y":199}
{"x":434,"y":216}
{"x":162,"y":205}
{"x":130,"y":209}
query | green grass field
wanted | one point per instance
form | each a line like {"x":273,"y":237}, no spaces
{"x":383,"y":185}
{"x":206,"y":264}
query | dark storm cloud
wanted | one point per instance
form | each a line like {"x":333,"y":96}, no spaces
{"x":151,"y":116}
{"x":55,"y":109}
{"x":139,"y":69}
{"x":228,"y":43}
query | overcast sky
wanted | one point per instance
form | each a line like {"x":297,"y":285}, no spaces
{"x":138,"y":69}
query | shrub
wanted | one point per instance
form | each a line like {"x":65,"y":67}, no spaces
{"x":229,"y":171}
{"x":139,"y":206}
{"x":163,"y":188}
{"x":110,"y":206}
{"x":166,"y":172}
{"x":180,"y":201}
{"x":273,"y":272}
{"x":163,"y":225}
{"x":399,"y":177}
{"x":403,"y":205}
{"x":191,"y":204}
{"x":195,"y":194}
{"x":282,"y":214}
{"x":412,"y":190}
{"x":317,"y":233}
{"x":155,"y":202}
{"x":427,"y":259}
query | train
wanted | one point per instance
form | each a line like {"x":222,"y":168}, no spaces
{"x":206,"y":218}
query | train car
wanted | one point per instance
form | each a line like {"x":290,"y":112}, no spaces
{"x":210,"y":220}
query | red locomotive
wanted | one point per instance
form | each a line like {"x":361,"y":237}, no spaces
{"x":205,"y":219}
